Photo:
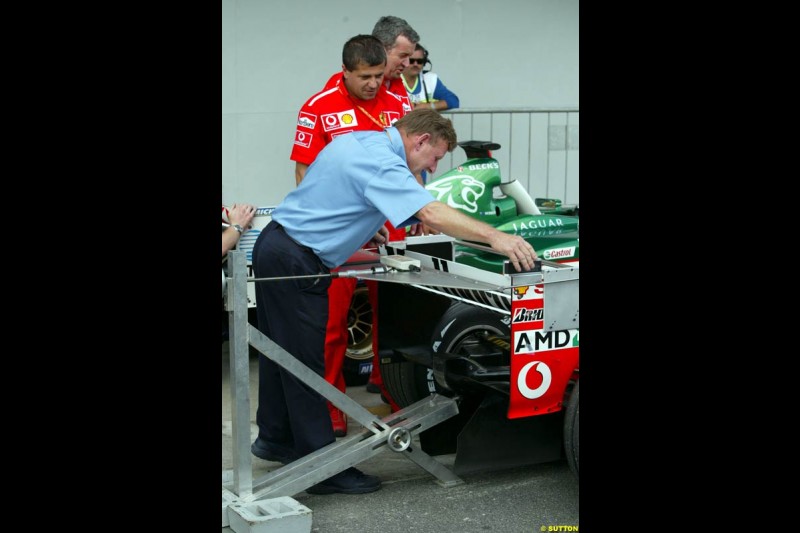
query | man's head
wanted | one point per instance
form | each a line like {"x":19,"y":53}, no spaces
{"x":399,"y":39}
{"x":417,"y":61}
{"x":427,"y":137}
{"x":363,"y":64}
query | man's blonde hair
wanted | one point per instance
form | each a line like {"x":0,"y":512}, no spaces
{"x":423,"y":120}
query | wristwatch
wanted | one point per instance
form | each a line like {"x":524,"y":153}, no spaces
{"x":238,"y":228}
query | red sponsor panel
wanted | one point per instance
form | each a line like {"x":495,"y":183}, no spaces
{"x":541,"y":361}
{"x":538,"y":379}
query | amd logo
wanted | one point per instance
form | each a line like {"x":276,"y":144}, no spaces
{"x":541,"y":341}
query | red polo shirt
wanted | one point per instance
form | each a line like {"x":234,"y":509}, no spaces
{"x":333,"y":111}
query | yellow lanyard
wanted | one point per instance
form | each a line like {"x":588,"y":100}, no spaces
{"x":383,"y":122}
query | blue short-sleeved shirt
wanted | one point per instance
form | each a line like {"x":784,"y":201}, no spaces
{"x":356,"y":182}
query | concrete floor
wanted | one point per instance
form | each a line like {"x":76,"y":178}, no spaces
{"x":518,"y":500}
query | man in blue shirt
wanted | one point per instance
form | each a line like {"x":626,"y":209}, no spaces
{"x":355,"y":184}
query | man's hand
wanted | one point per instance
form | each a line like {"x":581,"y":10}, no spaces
{"x":457,"y":224}
{"x":242,"y":214}
{"x":382,"y":237}
{"x":518,"y":250}
{"x":421,"y":229}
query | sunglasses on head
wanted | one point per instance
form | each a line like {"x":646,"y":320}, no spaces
{"x":420,"y":61}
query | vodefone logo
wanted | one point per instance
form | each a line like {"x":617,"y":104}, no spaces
{"x":522,"y":380}
{"x":302,"y":138}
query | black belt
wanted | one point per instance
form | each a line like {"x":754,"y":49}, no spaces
{"x":303,"y":246}
{"x":280,"y":227}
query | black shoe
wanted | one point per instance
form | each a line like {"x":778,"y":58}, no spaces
{"x":351,"y":481}
{"x":273,"y":452}
{"x":371,"y":387}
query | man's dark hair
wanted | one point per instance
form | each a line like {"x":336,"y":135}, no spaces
{"x":363,"y":49}
{"x":389,"y":28}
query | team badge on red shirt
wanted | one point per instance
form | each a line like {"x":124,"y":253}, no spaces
{"x":307,"y":120}
{"x":302,"y":138}
{"x":343,"y":119}
{"x":392,"y":116}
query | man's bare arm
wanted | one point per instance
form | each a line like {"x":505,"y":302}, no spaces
{"x":299,"y":172}
{"x":456,"y":224}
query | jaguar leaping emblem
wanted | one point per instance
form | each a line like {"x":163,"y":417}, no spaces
{"x":459,"y":192}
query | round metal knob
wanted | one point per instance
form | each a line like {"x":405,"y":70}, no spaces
{"x":399,"y":439}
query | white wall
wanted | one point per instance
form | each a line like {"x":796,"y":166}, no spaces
{"x":504,"y":53}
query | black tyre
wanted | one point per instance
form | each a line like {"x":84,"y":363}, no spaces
{"x":463,"y":329}
{"x":358,"y":357}
{"x":571,"y":440}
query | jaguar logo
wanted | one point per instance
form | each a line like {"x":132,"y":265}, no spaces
{"x":459,"y":192}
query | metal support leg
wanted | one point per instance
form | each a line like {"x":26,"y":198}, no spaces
{"x":240,"y":374}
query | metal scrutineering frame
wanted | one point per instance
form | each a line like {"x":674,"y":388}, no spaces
{"x":394,"y":432}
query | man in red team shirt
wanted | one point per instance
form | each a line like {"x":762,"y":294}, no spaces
{"x":354,"y":99}
{"x":400,"y":40}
